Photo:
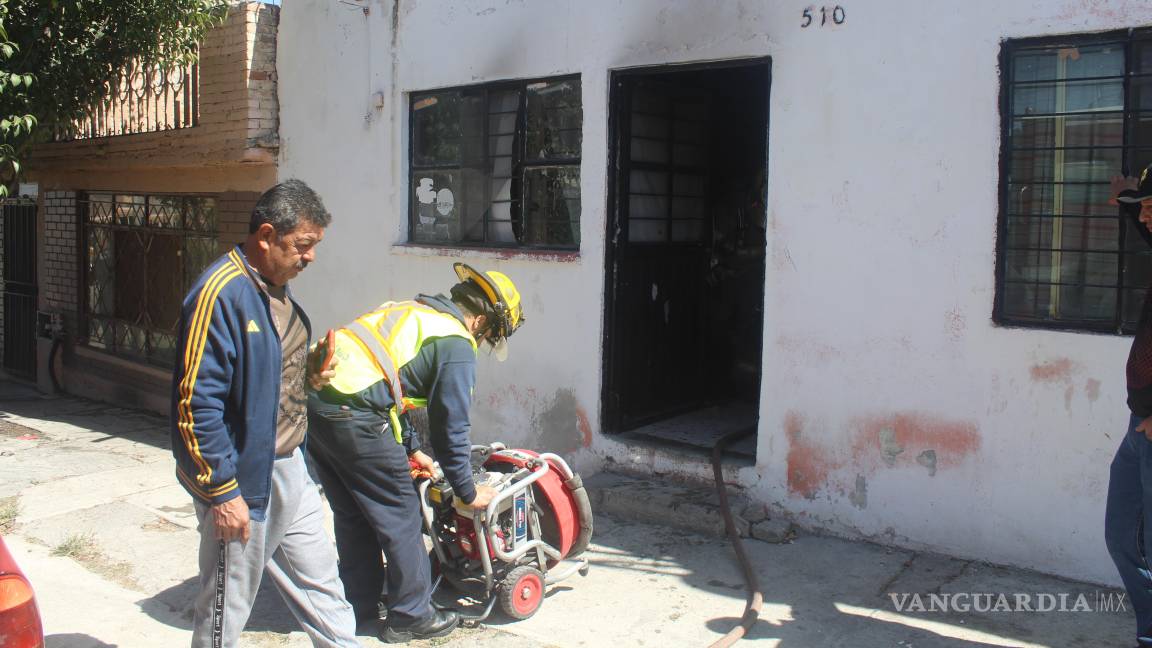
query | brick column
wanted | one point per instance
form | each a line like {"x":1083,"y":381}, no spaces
{"x":60,"y":265}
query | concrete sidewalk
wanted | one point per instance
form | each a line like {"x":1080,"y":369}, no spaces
{"x":107,"y":537}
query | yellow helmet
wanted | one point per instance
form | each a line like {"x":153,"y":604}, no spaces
{"x":501,"y":294}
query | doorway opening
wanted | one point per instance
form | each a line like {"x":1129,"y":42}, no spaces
{"x":685,"y":255}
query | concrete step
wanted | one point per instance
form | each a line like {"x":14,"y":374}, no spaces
{"x":688,"y":507}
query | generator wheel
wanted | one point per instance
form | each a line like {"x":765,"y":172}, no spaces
{"x":522,"y":592}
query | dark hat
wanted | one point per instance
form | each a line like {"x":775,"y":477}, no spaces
{"x":1143,"y":190}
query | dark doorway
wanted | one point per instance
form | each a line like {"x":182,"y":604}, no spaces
{"x":20,"y":288}
{"x":685,"y":259}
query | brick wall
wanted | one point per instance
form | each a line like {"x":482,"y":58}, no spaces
{"x":59,"y":266}
{"x":234,"y":211}
{"x":239,"y":113}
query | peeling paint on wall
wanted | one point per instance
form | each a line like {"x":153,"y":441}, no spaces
{"x":1053,"y":371}
{"x":1092,"y":389}
{"x":875,"y":444}
{"x":560,"y":425}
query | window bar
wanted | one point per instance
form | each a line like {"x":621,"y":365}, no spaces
{"x":1125,"y":169}
{"x":519,"y":170}
{"x":1062,"y":56}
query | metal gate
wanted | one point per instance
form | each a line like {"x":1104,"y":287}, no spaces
{"x":20,"y":288}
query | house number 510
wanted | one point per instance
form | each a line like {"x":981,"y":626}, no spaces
{"x":836,"y":14}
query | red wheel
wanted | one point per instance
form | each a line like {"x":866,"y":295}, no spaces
{"x":522,"y":592}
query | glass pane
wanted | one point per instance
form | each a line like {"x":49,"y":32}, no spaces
{"x":647,"y":207}
{"x":130,"y":210}
{"x":436,"y":129}
{"x":552,"y":206}
{"x":1071,"y":165}
{"x":1068,"y":97}
{"x":1062,"y":200}
{"x":506,"y":101}
{"x":200,"y":214}
{"x":690,"y":132}
{"x":648,"y":182}
{"x":101,"y":208}
{"x":101,"y":264}
{"x":1057,"y":303}
{"x":198,"y":253}
{"x":163,"y":348}
{"x":502,"y":124}
{"x":554,"y":120}
{"x":131,"y":274}
{"x":164,"y":282}
{"x":1142,"y":57}
{"x":1064,"y":233}
{"x":688,"y":155}
{"x":647,"y":231}
{"x":1096,"y":268}
{"x":501,"y":145}
{"x":1103,"y":129}
{"x":131,"y":339}
{"x":1141,"y":93}
{"x":1069,"y":62}
{"x":436,"y":215}
{"x":650,"y":101}
{"x":501,"y":232}
{"x":166,"y":211}
{"x":1138,"y":269}
{"x":648,"y":150}
{"x":650,"y":126}
{"x":99,"y":333}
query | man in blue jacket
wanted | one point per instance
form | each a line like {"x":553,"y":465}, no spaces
{"x":238,"y":420}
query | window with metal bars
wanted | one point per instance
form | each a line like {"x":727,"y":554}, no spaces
{"x":141,"y":255}
{"x":1076,"y":111}
{"x":497,"y":165}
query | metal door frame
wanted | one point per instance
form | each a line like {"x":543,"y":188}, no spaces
{"x":21,"y":289}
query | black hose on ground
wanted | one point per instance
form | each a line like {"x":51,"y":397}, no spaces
{"x":755,"y":597}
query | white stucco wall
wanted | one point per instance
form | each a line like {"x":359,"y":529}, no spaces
{"x":882,"y":207}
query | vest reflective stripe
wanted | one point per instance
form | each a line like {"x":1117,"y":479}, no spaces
{"x":377,"y":345}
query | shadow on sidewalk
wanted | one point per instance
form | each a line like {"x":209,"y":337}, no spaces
{"x":174,"y":605}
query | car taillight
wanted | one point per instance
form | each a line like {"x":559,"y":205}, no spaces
{"x":19,"y":619}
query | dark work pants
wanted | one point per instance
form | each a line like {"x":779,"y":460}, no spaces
{"x":375,"y":508}
{"x":1128,"y":520}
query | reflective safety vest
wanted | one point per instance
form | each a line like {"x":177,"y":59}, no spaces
{"x":377,"y":345}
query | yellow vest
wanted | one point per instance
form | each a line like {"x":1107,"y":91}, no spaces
{"x":377,"y":345}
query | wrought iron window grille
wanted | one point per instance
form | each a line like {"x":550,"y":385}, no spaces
{"x":497,"y":165}
{"x":1075,"y":111}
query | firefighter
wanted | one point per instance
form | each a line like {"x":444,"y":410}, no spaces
{"x":419,"y":353}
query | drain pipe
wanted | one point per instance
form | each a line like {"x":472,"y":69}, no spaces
{"x":755,"y":597}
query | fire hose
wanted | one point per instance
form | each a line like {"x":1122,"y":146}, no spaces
{"x":752,"y":583}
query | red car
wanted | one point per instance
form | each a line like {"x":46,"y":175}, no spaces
{"x":19,"y":618}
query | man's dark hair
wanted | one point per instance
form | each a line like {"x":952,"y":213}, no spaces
{"x":470,"y":298}
{"x":285,"y":205}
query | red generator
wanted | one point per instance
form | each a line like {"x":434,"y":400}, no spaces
{"x":532,"y":534}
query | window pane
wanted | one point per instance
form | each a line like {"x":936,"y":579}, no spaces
{"x":436,"y":217}
{"x":166,"y":211}
{"x":1066,"y":165}
{"x":101,"y":208}
{"x":554,"y":120}
{"x":1058,"y":97}
{"x":164,"y":282}
{"x":101,"y":271}
{"x":1101,"y":129}
{"x":1064,"y":200}
{"x":1142,"y":57}
{"x":1133,"y":305}
{"x":200,"y":214}
{"x":1099,"y":269}
{"x":647,"y":231}
{"x":130,"y":210}
{"x":1056,"y":303}
{"x":647,"y":207}
{"x":131,"y":274}
{"x":436,"y":129}
{"x":647,"y":182}
{"x":648,"y":150}
{"x":1141,"y":93}
{"x":198,"y":253}
{"x":1069,"y":62}
{"x":552,"y":206}
{"x":1064,"y":233}
{"x":688,"y":231}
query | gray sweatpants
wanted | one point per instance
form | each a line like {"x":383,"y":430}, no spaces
{"x":292,"y":545}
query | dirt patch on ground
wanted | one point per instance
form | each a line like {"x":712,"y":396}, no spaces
{"x":14,"y":431}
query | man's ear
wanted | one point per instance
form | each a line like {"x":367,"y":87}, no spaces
{"x":265,"y":236}
{"x":479,"y":324}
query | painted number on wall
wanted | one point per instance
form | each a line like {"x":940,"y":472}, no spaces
{"x":824,"y":14}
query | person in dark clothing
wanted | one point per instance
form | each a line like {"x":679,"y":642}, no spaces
{"x":419,"y":353}
{"x":1128,"y":518}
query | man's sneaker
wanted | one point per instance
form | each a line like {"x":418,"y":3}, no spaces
{"x":437,"y":624}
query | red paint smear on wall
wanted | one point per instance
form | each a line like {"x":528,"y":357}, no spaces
{"x":585,"y":427}
{"x":1059,"y":370}
{"x":912,"y":433}
{"x":808,"y":464}
{"x":899,"y":437}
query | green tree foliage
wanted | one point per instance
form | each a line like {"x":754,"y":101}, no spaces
{"x":57,"y":58}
